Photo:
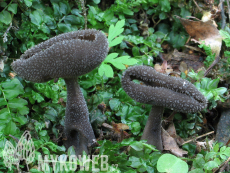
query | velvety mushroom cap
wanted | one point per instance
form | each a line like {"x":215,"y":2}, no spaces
{"x":66,"y":55}
{"x":162,"y":90}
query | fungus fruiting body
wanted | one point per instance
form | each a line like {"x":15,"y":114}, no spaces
{"x":68,"y":56}
{"x":160,"y":91}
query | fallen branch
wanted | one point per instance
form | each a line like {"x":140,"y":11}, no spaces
{"x":206,"y":134}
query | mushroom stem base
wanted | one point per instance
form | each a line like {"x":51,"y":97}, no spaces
{"x":152,"y":131}
{"x":78,"y":130}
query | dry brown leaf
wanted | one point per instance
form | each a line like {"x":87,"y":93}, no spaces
{"x":164,"y":68}
{"x":203,"y":145}
{"x":204,"y":31}
{"x":172,"y":132}
{"x":170,"y":144}
{"x":183,"y":67}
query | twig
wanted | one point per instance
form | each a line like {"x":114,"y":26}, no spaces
{"x":223,"y":17}
{"x":206,"y":134}
{"x":222,"y":166}
{"x":194,"y":48}
{"x":197,"y":6}
{"x":212,"y":65}
{"x":155,"y":23}
{"x":228,"y":11}
{"x":84,"y":12}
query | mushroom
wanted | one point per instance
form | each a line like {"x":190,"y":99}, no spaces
{"x":68,"y":56}
{"x":160,"y":90}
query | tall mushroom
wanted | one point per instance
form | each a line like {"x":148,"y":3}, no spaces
{"x":68,"y":56}
{"x":160,"y":91}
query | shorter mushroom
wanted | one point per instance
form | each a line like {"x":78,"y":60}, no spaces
{"x":68,"y":56}
{"x":160,"y":91}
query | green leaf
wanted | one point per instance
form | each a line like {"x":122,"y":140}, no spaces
{"x":137,"y":145}
{"x":220,"y":90}
{"x":116,"y":41}
{"x":21,"y":119}
{"x":110,"y":57}
{"x":165,"y":5}
{"x":135,"y":51}
{"x":126,"y":60}
{"x":28,"y":3}
{"x":135,"y":128}
{"x":210,"y":155}
{"x":135,"y":162}
{"x":73,"y":20}
{"x":96,"y":1}
{"x":128,"y":12}
{"x":37,"y":96}
{"x":171,"y":164}
{"x":36,"y":18}
{"x":64,"y":27}
{"x":226,"y":37}
{"x":210,"y":165}
{"x":10,"y":128}
{"x":4,"y":114}
{"x":13,"y":8}
{"x":120,"y":61}
{"x":213,"y":84}
{"x":114,"y":103}
{"x":17,"y":103}
{"x":64,"y":8}
{"x":105,"y":69}
{"x":199,"y":170}
{"x":23,"y":110}
{"x":2,"y":102}
{"x":116,"y":30}
{"x":5,"y":17}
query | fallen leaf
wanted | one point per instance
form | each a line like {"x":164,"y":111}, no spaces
{"x":170,"y":144}
{"x":164,"y":68}
{"x":172,"y":132}
{"x":204,"y":31}
{"x":183,"y":67}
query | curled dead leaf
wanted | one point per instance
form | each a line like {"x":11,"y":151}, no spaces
{"x":204,"y":31}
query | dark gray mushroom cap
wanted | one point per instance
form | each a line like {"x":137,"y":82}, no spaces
{"x":66,"y":55}
{"x":162,"y":90}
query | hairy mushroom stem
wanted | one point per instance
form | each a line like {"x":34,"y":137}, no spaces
{"x":160,"y":91}
{"x":78,"y":129}
{"x":152,"y":131}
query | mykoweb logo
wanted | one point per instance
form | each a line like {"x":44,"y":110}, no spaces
{"x":25,"y":151}
{"x":71,"y":163}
